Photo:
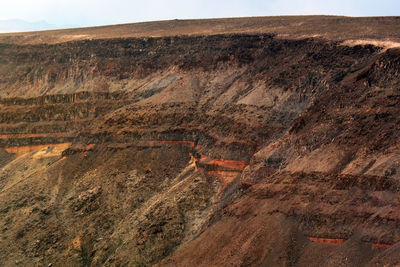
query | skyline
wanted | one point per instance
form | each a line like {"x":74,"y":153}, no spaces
{"x":45,"y":14}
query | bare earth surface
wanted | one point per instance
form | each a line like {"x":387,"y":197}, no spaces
{"x":268,"y":141}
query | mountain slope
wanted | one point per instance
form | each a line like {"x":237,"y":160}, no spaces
{"x":202,"y":150}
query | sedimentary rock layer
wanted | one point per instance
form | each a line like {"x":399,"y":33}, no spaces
{"x":231,"y":149}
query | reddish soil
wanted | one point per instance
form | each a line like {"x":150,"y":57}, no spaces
{"x":229,"y":164}
{"x":377,"y":245}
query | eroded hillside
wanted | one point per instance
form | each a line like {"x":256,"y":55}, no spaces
{"x":215,"y":150}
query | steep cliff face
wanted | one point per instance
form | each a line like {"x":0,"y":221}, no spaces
{"x":241,"y":149}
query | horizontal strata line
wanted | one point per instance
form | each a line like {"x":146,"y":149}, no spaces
{"x":327,"y":240}
{"x":153,"y":142}
{"x":229,"y":165}
{"x":27,"y":149}
{"x":233,"y":165}
{"x":380,"y":245}
{"x":7,"y":136}
{"x":341,"y":240}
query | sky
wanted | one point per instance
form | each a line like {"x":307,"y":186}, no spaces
{"x":58,"y":13}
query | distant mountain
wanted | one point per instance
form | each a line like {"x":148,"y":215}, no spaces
{"x":18,"y":25}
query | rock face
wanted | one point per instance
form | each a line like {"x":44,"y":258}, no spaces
{"x":214,"y":150}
